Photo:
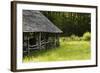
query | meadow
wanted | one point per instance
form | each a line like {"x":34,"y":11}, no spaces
{"x":68,"y":50}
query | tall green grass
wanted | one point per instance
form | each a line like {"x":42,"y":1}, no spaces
{"x":68,"y":50}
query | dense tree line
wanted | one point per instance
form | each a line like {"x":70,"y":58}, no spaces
{"x":70,"y":22}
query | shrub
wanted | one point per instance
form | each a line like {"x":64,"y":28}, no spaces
{"x":65,"y":39}
{"x":86,"y":36}
{"x":68,"y":39}
{"x":72,"y":37}
{"x":75,"y":38}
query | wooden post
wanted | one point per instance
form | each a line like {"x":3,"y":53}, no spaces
{"x":55,"y":40}
{"x":40,"y":40}
{"x":58,"y":43}
{"x":28,"y":45}
{"x":44,"y":41}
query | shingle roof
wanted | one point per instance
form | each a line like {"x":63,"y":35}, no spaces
{"x":35,"y":21}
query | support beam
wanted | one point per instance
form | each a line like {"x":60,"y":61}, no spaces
{"x":55,"y":40}
{"x":58,"y":43}
{"x":28,"y":51}
{"x":40,"y":40}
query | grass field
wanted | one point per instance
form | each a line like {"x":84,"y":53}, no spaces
{"x":68,"y":50}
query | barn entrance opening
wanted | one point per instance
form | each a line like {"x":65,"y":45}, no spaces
{"x":32,"y":41}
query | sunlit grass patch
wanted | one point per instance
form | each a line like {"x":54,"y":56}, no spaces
{"x":68,"y":50}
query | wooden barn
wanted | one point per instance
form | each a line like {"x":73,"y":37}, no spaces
{"x":38,"y":31}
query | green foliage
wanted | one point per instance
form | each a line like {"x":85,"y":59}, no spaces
{"x":75,"y":38}
{"x":72,"y":38}
{"x":87,"y":36}
{"x":70,"y":22}
{"x":66,"y":39}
